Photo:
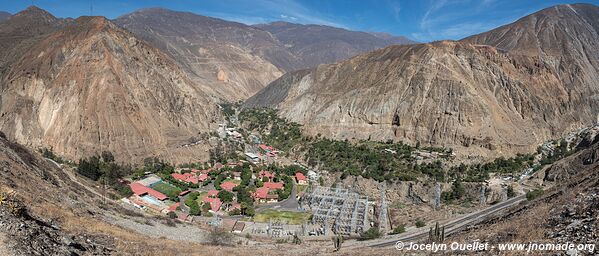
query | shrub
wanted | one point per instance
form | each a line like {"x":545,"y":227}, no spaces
{"x":510,"y":191}
{"x":371,"y":233}
{"x":534,"y":194}
{"x":420,"y":223}
{"x":399,"y":229}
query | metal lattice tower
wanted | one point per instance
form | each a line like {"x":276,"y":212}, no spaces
{"x":383,"y":219}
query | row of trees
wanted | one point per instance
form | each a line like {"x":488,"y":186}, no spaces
{"x":104,"y":168}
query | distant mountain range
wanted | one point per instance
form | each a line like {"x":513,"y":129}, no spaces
{"x":498,"y":92}
{"x":237,"y":60}
{"x":142,"y":85}
{"x":149,"y":82}
{"x":317,"y":44}
{"x":4,"y":15}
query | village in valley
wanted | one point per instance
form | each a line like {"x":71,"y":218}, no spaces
{"x":250,"y":192}
{"x":254,"y":188}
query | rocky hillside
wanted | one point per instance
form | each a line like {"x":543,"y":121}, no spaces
{"x":319,"y":44}
{"x":568,"y":212}
{"x":29,"y":186}
{"x":233,"y":59}
{"x":83,"y":86}
{"x":477,"y":98}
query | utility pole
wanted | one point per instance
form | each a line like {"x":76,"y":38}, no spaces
{"x":91,"y":7}
{"x":383,"y":223}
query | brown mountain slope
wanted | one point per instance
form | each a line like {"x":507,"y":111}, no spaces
{"x":91,"y":86}
{"x":233,"y":59}
{"x":319,"y":44}
{"x":446,"y":93}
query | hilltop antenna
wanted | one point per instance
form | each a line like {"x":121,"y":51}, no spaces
{"x":91,"y":7}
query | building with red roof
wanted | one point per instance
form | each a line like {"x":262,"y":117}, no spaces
{"x":213,"y":193}
{"x":203,"y":177}
{"x":300,"y":178}
{"x":265,"y":147}
{"x":174,"y":207}
{"x":262,"y":195}
{"x":267,"y":174}
{"x":227,"y":185}
{"x":186,"y":177}
{"x":273,"y":185}
{"x":141,"y":190}
{"x":215,"y":203}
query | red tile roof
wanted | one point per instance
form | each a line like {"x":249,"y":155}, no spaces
{"x":261,"y":193}
{"x":215,"y":203}
{"x":273,"y":185}
{"x":267,"y":174}
{"x":300,"y":176}
{"x":173,"y":207}
{"x":265,"y":147}
{"x":141,"y":190}
{"x":227,"y":185}
{"x":213,"y":192}
{"x":186,"y":177}
{"x":203,"y":177}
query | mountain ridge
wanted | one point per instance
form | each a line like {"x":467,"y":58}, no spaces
{"x":90,"y":86}
{"x":446,"y":93}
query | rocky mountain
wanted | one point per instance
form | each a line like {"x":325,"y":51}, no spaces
{"x":501,"y":98}
{"x":237,"y":60}
{"x":86,"y":85}
{"x":319,"y":44}
{"x":234,"y":59}
{"x":4,"y":16}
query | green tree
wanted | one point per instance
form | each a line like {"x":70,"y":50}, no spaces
{"x":225,"y":196}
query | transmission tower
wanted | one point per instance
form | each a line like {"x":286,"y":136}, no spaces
{"x":383,"y":219}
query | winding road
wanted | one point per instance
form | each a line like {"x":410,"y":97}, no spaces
{"x":451,"y":226}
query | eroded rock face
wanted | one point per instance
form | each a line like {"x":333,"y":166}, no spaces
{"x":475,"y":98}
{"x":231,"y":61}
{"x":91,"y":86}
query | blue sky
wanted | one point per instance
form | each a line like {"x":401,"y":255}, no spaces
{"x":422,"y":20}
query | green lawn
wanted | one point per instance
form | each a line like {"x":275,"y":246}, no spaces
{"x":201,"y":197}
{"x":232,"y":180}
{"x":301,"y":188}
{"x":293,"y":218}
{"x":167,"y":189}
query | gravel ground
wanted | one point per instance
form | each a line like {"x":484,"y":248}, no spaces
{"x":181,"y":232}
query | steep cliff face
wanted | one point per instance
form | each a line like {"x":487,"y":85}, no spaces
{"x":91,"y":86}
{"x":234,"y":60}
{"x":455,"y":94}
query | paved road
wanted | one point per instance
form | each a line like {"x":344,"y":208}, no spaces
{"x":289,"y":204}
{"x":451,"y":226}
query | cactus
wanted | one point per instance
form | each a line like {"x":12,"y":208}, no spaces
{"x":437,"y":234}
{"x":337,"y":241}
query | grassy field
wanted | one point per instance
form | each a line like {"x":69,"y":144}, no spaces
{"x":166,"y":188}
{"x":200,"y":199}
{"x":232,"y":180}
{"x":301,"y":188}
{"x":284,"y":216}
